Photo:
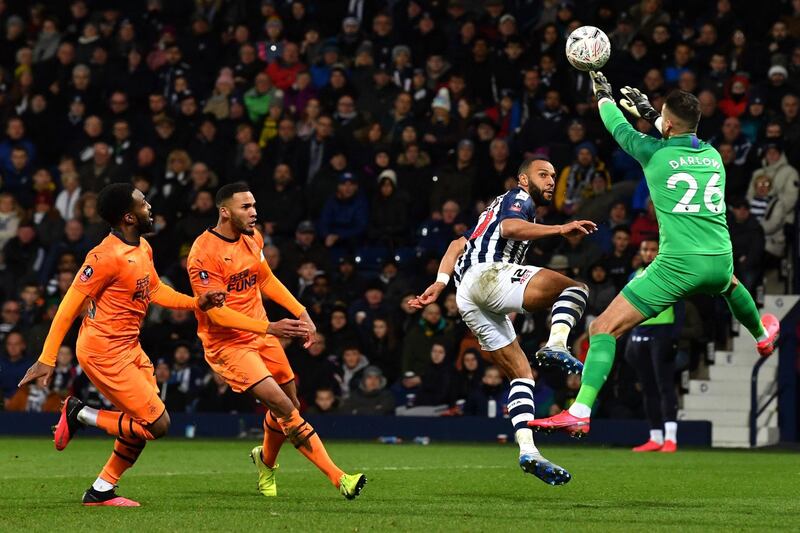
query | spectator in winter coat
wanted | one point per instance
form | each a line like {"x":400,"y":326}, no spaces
{"x":438,"y":379}
{"x":388,"y":223}
{"x":784,"y":177}
{"x":345,"y":215}
{"x":370,"y":396}
{"x":349,"y":372}
{"x":747,"y":239}
{"x":576,"y":184}
{"x":489,"y":399}
{"x":456,"y":179}
{"x":430,"y":329}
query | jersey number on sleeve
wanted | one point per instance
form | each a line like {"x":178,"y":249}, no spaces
{"x":711,"y":193}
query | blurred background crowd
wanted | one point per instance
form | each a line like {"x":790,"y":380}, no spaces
{"x":372,"y":133}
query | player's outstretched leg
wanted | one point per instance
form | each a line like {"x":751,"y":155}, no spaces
{"x":765,"y":330}
{"x":618,"y":318}
{"x":568,"y":299}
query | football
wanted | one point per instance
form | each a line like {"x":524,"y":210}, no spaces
{"x":588,"y":48}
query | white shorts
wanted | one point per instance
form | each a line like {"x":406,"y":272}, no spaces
{"x":485,"y":296}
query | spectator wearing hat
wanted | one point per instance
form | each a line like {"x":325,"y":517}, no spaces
{"x":344,"y":218}
{"x":271,"y":48}
{"x":427,"y":39}
{"x":776,"y":86}
{"x":380,"y":96}
{"x":734,"y":101}
{"x":602,"y":289}
{"x":784,"y":177}
{"x":747,"y":239}
{"x":370,"y":396}
{"x":754,"y":118}
{"x":402,"y":69}
{"x":329,"y":55}
{"x":388,"y":222}
{"x":441,"y":132}
{"x":304,"y":247}
{"x":350,"y":36}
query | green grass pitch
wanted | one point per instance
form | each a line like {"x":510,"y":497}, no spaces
{"x":210,"y":485}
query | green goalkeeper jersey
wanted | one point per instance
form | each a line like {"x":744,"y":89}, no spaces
{"x":686,"y":179}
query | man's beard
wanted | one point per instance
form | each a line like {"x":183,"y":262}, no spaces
{"x":145,"y":226}
{"x":538,"y":196}
{"x":243,"y":227}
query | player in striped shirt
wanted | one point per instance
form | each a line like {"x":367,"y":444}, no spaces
{"x":493,"y":281}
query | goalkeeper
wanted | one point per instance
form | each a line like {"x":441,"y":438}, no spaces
{"x":686,"y":179}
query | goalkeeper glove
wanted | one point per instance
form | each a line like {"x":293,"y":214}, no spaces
{"x":600,"y":86}
{"x":637,"y":104}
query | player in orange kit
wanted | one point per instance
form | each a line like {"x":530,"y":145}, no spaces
{"x":240,"y":343}
{"x":118,"y":280}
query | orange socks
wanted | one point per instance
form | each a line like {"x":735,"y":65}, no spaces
{"x":305,"y":439}
{"x":121,"y":425}
{"x":125,"y":453}
{"x":273,"y":439}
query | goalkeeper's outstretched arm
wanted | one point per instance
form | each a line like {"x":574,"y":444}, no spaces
{"x":638,"y":145}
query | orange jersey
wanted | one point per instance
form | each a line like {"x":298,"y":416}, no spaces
{"x":119,"y":278}
{"x":217,"y":263}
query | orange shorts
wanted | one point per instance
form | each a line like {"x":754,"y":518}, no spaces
{"x":244,"y":365}
{"x":128,"y":381}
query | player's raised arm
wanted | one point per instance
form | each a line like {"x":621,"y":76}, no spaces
{"x":446,"y":267}
{"x":639,"y":145}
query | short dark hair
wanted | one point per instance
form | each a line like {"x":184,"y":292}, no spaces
{"x":685,"y":106}
{"x":526,"y":165}
{"x":226,"y":192}
{"x":650,"y":237}
{"x":622,"y":228}
{"x":114,"y":201}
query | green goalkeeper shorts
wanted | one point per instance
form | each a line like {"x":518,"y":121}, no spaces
{"x":669,"y":279}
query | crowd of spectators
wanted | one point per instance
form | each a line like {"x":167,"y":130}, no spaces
{"x":372,"y":132}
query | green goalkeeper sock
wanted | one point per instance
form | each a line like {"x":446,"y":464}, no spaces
{"x":598,"y":365}
{"x":744,"y":309}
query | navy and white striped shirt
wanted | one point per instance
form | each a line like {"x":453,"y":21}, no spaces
{"x":484,"y":243}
